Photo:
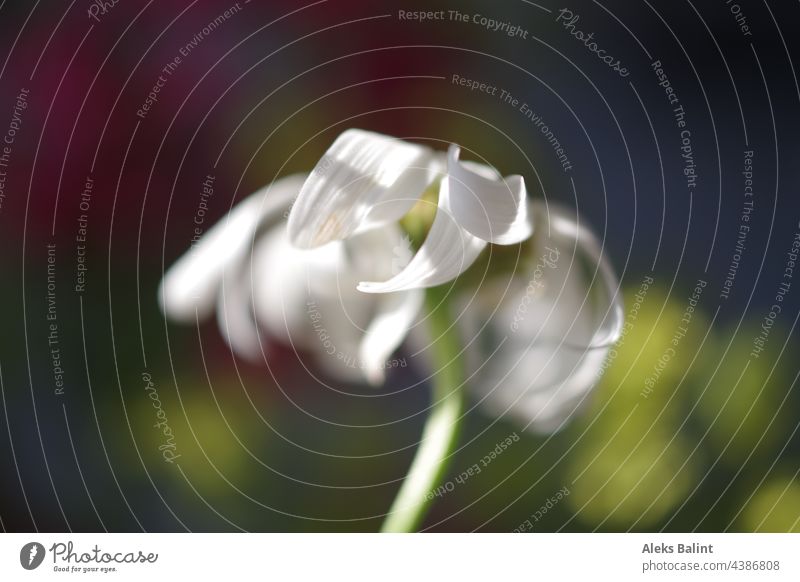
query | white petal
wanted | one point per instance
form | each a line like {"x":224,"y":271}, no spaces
{"x":575,"y":297}
{"x":492,"y":209}
{"x":447,"y":251}
{"x":235,"y":313}
{"x":364,"y":180}
{"x":308,"y":299}
{"x":389,"y":327}
{"x":542,"y":407}
{"x":557,"y":330}
{"x":611,"y":308}
{"x":282,"y":286}
{"x":190,"y":286}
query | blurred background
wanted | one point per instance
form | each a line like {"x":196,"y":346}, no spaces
{"x":100,"y":189}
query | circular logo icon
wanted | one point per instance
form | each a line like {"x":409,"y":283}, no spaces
{"x":31,"y":555}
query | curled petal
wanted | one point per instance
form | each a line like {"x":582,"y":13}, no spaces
{"x":235,"y":313}
{"x":490,"y":208}
{"x":190,"y":286}
{"x":395,"y":316}
{"x":610,"y":307}
{"x":572,"y":293}
{"x":448,"y":251}
{"x":557,"y":330}
{"x":364,"y":180}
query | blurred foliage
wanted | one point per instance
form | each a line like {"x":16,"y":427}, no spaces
{"x":711,"y":447}
{"x":645,"y":457}
{"x":745,"y":409}
{"x":775,"y":507}
{"x":633,"y":466}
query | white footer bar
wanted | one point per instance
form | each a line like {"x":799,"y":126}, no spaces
{"x":375,"y":557}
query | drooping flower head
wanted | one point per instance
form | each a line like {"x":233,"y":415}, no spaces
{"x":340,"y":278}
{"x":367,"y":181}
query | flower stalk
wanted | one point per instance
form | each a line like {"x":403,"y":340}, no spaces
{"x":442,"y":427}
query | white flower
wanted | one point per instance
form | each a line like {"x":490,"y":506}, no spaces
{"x":340,"y":278}
{"x":367,"y":180}
{"x":245,"y":268}
{"x":543,"y":346}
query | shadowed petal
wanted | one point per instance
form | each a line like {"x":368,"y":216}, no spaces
{"x":556,"y":329}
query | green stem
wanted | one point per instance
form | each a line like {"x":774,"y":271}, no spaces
{"x":441,"y":429}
